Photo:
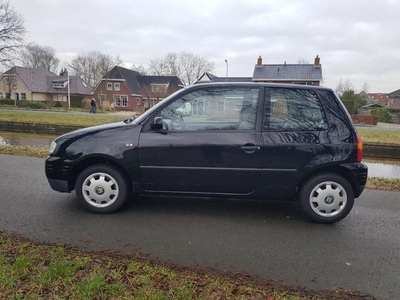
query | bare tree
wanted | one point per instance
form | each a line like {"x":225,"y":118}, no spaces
{"x":365,"y":87}
{"x":12,"y":32}
{"x":303,"y":61}
{"x":187,"y":66}
{"x":92,"y":66}
{"x":344,"y":87}
{"x":40,"y":58}
{"x":140,"y":69}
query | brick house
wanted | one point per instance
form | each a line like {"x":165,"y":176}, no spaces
{"x":376,"y":98}
{"x":308,"y":74}
{"x":125,"y":89}
{"x":394,"y":99}
{"x":20,"y":83}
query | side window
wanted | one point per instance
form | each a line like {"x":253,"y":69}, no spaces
{"x":213,"y":109}
{"x":293,"y":110}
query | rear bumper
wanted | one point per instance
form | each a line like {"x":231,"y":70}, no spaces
{"x":359,"y":174}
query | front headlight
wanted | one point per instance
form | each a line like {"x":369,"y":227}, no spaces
{"x":53,"y":147}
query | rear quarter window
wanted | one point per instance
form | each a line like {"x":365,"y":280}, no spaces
{"x":293,"y":110}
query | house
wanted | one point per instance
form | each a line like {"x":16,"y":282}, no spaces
{"x":394,"y":99}
{"x":208,"y":77}
{"x":21,"y":83}
{"x":125,"y":89}
{"x":376,"y":98}
{"x":308,"y":74}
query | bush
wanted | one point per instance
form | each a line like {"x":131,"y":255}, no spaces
{"x":58,"y":104}
{"x":76,"y":101}
{"x":36,"y":105}
{"x":385,"y":114}
{"x":7,"y":102}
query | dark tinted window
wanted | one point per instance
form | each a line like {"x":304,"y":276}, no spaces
{"x":293,"y":110}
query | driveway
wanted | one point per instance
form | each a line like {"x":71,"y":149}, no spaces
{"x":269,"y":239}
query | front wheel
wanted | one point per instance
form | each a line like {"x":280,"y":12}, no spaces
{"x":101,"y":188}
{"x":326,"y":198}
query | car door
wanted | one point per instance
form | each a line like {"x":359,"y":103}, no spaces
{"x":203,"y":151}
{"x":294,"y":134}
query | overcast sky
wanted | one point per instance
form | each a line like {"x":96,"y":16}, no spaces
{"x":357,"y":40}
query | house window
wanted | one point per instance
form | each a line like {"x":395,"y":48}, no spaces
{"x":121,"y":101}
{"x":117,"y":86}
{"x":102,"y":97}
{"x":159,"y":88}
{"x":8,"y":96}
{"x":138,"y":101}
{"x":58,"y":85}
{"x":1,"y":95}
{"x":124,"y":101}
{"x":23,"y":96}
{"x":16,"y":96}
{"x":109,"y":86}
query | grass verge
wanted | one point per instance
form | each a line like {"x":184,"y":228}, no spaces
{"x":39,"y":271}
{"x":66,"y":118}
{"x":379,"y":136}
{"x":24,"y":151}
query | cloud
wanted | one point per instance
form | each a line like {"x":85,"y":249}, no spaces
{"x":356,"y":40}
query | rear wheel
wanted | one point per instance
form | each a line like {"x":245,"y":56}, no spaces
{"x":101,"y":188}
{"x":326,"y":198}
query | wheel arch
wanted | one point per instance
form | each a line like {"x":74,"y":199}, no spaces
{"x":340,"y":170}
{"x":94,"y":160}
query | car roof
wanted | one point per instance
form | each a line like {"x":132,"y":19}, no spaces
{"x":256,"y":84}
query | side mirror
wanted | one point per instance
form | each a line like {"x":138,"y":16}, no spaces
{"x":157,"y":124}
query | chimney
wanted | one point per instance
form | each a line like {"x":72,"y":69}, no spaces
{"x":259,"y":61}
{"x":317,"y":62}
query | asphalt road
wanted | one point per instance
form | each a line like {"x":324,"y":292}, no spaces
{"x":269,"y":239}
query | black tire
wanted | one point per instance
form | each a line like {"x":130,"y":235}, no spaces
{"x":326,"y":198}
{"x":102,"y":189}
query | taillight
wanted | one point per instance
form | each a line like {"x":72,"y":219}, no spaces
{"x":359,"y":148}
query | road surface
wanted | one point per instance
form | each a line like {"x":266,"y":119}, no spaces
{"x":269,"y":239}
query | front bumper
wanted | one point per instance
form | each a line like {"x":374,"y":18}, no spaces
{"x":59,"y":185}
{"x":58,"y":173}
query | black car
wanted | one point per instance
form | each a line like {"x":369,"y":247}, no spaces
{"x":240,"y":140}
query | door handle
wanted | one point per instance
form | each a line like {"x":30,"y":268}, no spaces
{"x":250,"y":148}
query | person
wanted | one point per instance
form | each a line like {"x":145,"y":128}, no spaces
{"x":92,"y":106}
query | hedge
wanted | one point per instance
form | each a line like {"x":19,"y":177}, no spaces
{"x":365,"y":119}
{"x":75,"y":101}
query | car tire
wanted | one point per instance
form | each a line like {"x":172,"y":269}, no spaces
{"x":326,"y":198}
{"x":102,"y":188}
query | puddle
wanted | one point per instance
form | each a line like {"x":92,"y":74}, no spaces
{"x":383,"y":170}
